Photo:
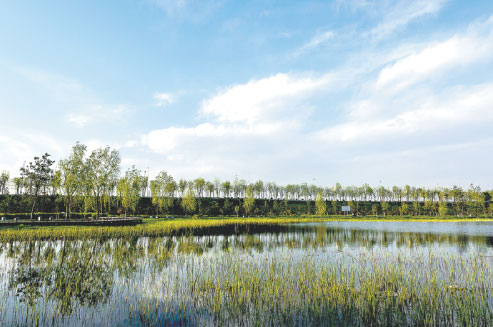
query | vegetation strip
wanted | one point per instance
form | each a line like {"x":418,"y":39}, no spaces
{"x":92,"y":184}
{"x":149,"y":228}
{"x":152,"y":227}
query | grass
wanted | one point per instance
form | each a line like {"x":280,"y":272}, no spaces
{"x":242,"y":280}
{"x":167,"y":227}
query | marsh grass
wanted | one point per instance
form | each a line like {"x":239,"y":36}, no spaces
{"x":159,"y":227}
{"x":294,"y":278}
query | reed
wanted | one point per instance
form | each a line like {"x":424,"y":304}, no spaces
{"x":279,"y":279}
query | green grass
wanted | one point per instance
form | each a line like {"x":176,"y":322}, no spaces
{"x":166,"y":227}
{"x":182,"y":281}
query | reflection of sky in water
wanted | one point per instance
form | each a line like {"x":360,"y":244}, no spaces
{"x":473,"y":228}
{"x":351,"y":243}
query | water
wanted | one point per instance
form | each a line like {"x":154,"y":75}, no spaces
{"x":156,"y":281}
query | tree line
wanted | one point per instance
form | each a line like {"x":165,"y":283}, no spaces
{"x":94,"y":183}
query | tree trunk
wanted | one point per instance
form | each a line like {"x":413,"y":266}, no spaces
{"x":97,"y":207}
{"x":32,"y":208}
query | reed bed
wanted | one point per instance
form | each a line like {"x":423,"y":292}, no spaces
{"x":159,"y":228}
{"x":149,"y":229}
{"x":292,"y":278}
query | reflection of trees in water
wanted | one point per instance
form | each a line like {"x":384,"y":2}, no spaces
{"x":322,"y":236}
{"x":75,"y":275}
{"x":81,"y":273}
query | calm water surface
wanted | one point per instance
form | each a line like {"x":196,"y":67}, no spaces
{"x":147,"y":281}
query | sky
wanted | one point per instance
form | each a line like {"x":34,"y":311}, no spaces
{"x":358,"y":91}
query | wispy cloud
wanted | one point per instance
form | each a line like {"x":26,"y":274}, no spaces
{"x":15,"y":150}
{"x":81,"y":106}
{"x":273,"y":116}
{"x":98,"y":114}
{"x":261,"y":99}
{"x":163,"y":99}
{"x":257,"y":116}
{"x":470,"y":105}
{"x":317,"y":40}
{"x":403,"y":13}
{"x":170,"y":6}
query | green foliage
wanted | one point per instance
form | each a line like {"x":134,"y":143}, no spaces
{"x":442,"y":209}
{"x":320,"y":204}
{"x":4,"y":179}
{"x":188,"y":202}
{"x":163,"y":189}
{"x":72,"y":171}
{"x":248,"y":201}
{"x":129,"y":188}
{"x":37,"y":176}
{"x":385,"y":207}
{"x":404,"y":209}
{"x":101,"y":175}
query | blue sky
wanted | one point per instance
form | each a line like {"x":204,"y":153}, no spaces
{"x":391,"y":92}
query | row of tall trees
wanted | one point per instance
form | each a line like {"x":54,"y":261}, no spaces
{"x":95,"y":179}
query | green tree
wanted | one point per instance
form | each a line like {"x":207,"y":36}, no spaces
{"x":72,"y":172}
{"x":248,"y":201}
{"x":209,"y":186}
{"x":287,"y":212}
{"x":259,"y":188}
{"x":226,"y":189}
{"x":385,"y":207}
{"x":102,"y":172}
{"x":182,"y":186}
{"x":188,"y":202}
{"x":334,"y":207}
{"x":374,"y":210}
{"x":18,"y":184}
{"x":56,"y":182}
{"x":199,"y":185}
{"x":37,"y":176}
{"x":129,"y":188}
{"x":404,"y":209}
{"x":4,"y":179}
{"x":226,"y":207}
{"x":163,"y":189}
{"x":428,"y":206}
{"x":320,"y":204}
{"x":442,"y":209}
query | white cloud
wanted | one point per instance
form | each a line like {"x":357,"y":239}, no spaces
{"x":255,"y":117}
{"x":168,"y":140}
{"x":83,"y":105}
{"x":97,"y":114}
{"x":57,"y":86}
{"x":457,"y":51}
{"x":316,"y":41}
{"x":255,"y":127}
{"x":79,"y":119}
{"x":403,"y":13}
{"x":413,"y":72}
{"x":260,"y":100}
{"x":469,"y":106}
{"x":14,"y":151}
{"x":163,"y":99}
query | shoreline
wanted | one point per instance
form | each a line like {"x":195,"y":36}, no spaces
{"x":165,"y":227}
